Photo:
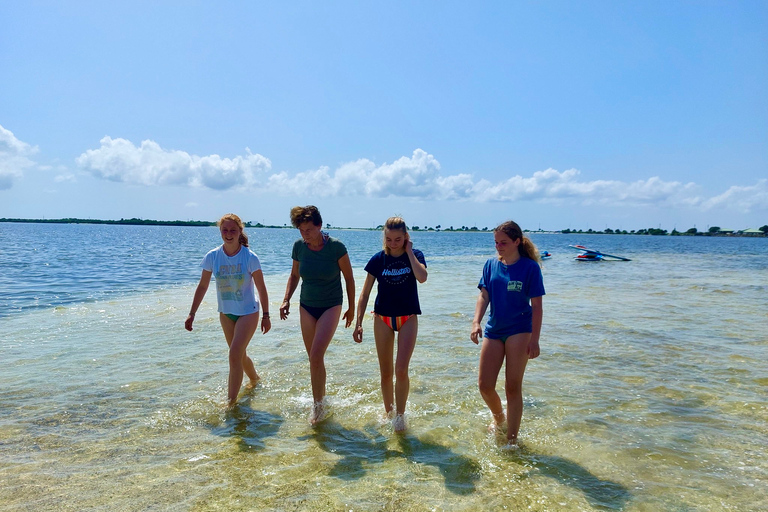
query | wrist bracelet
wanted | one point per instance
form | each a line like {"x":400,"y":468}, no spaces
{"x":265,"y":314}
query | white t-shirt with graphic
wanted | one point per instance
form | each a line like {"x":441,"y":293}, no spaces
{"x":235,"y":290}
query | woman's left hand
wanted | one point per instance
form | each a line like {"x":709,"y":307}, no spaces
{"x":349,"y":316}
{"x":533,"y":350}
{"x":266,"y":325}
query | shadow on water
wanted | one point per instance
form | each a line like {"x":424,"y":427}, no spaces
{"x":460,"y":472}
{"x":249,"y":426}
{"x":359,"y":450}
{"x":601,"y":494}
{"x":356,"y":448}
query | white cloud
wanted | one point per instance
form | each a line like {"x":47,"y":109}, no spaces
{"x":149,"y":164}
{"x":14,"y":158}
{"x":417,"y":176}
{"x":742,"y":199}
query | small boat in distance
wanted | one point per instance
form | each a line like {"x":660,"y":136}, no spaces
{"x":545,"y":255}
{"x":591,"y":255}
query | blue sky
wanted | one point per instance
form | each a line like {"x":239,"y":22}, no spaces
{"x":556,"y":114}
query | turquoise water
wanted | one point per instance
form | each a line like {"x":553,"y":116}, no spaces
{"x":650,"y":393}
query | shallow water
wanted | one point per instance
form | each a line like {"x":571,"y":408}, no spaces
{"x":649,"y":394}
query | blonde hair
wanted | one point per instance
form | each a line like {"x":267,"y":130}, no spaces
{"x":231,"y":216}
{"x":302,"y":214}
{"x":393,"y":223}
{"x":527,"y":248}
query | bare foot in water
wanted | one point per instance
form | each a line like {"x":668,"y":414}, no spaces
{"x":398,"y":424}
{"x":317,"y":414}
{"x":252,"y":382}
{"x":499,"y":424}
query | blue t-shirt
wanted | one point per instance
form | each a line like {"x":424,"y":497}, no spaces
{"x":396,"y":293}
{"x":510,"y":288}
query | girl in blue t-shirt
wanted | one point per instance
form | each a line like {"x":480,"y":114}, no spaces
{"x":397,"y":269}
{"x":238,"y":272}
{"x":513,"y":286}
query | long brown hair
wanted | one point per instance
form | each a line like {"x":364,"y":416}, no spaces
{"x":393,"y":223}
{"x":527,"y":248}
{"x":231,"y":216}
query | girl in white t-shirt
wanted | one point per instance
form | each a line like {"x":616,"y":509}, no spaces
{"x":238,"y":271}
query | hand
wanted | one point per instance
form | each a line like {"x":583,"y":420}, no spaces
{"x":533,"y":350}
{"x":349,"y":316}
{"x":284,"y":310}
{"x":477,"y":333}
{"x":408,"y":244}
{"x":266,"y":324}
{"x":357,"y":335}
{"x":188,"y":322}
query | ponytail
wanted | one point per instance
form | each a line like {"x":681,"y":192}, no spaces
{"x":527,"y":248}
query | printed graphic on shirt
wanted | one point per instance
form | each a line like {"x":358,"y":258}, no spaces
{"x":230,"y":279}
{"x":396,"y":272}
{"x":515,"y":286}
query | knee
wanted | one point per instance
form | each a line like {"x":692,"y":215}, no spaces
{"x":486,"y":387}
{"x":401,"y":373}
{"x":316,"y":360}
{"x":236,"y":357}
{"x":513,"y":388}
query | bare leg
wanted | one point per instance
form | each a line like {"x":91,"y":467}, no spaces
{"x":238,"y":336}
{"x":385,"y":345}
{"x":406,"y":342}
{"x":228,"y":326}
{"x":491,"y":359}
{"x":317,"y":336}
{"x":517,"y":358}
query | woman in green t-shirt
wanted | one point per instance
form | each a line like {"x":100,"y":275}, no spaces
{"x":319,"y":261}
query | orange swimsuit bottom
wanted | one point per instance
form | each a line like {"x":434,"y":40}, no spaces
{"x":394,"y":322}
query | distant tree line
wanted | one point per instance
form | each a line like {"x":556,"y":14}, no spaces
{"x":712,"y":231}
{"x":127,"y":222}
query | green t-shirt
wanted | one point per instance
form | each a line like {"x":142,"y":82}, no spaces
{"x":320,"y":273}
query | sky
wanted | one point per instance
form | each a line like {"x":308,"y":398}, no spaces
{"x":580,"y":115}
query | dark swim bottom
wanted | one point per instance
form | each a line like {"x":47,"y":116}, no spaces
{"x":317,"y":312}
{"x":394,"y":322}
{"x":234,"y":318}
{"x":503,"y":339}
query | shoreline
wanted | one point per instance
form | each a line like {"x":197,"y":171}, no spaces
{"x":463,"y":229}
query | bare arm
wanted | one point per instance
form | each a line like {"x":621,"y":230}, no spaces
{"x":346,"y":268}
{"x":419,"y":269}
{"x":362,"y":304}
{"x":202,"y":287}
{"x":290,"y":287}
{"x":261,"y":289}
{"x":483,"y":299}
{"x":538,"y":314}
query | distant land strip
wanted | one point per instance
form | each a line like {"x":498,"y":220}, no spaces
{"x":712,"y":231}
